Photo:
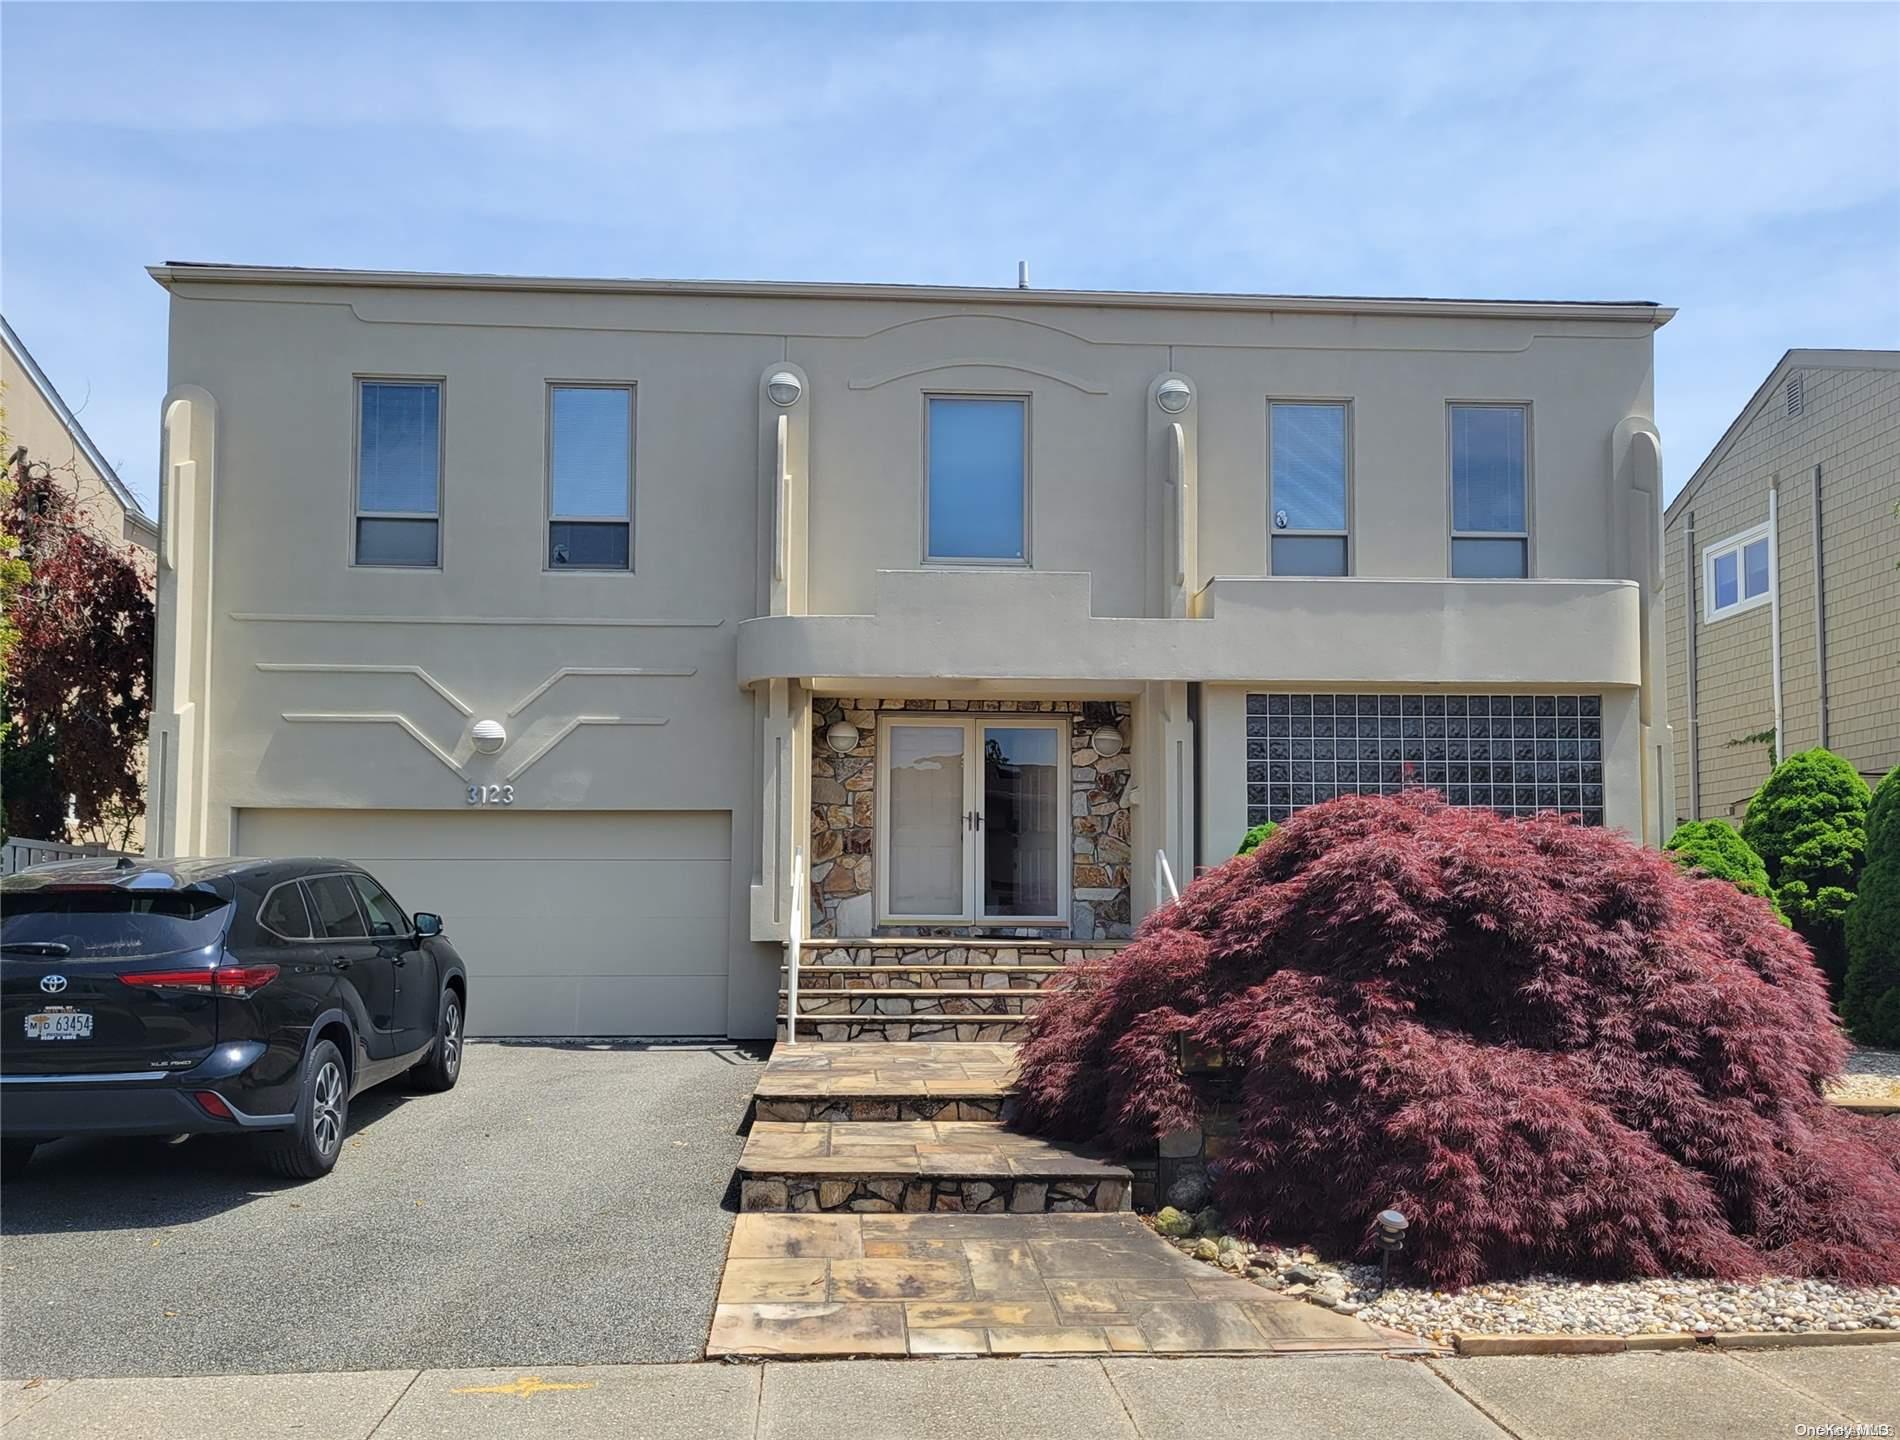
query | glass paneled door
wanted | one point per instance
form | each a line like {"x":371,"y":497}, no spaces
{"x":973,"y":820}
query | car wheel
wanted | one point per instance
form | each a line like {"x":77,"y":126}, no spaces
{"x":15,"y":1156}
{"x":309,"y":1148}
{"x":444,"y":1063}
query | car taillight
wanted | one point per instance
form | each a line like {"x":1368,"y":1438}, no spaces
{"x":240,"y":982}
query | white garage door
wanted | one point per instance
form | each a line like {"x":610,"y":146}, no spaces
{"x":571,"y":923}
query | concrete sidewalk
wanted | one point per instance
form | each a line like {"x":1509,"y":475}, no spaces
{"x":1709,"y":1396}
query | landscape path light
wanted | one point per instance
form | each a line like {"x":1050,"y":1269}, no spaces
{"x":1391,"y":1238}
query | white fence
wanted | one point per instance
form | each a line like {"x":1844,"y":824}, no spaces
{"x":18,"y":853}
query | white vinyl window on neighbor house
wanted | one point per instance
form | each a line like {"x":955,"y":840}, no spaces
{"x":590,"y":477}
{"x":1737,"y":574}
{"x":398,"y":473}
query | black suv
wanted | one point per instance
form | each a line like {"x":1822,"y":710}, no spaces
{"x":168,"y":997}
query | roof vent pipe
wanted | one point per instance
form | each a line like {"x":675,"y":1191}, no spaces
{"x":1022,"y":274}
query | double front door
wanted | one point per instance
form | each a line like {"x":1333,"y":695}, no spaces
{"x":973,"y":819}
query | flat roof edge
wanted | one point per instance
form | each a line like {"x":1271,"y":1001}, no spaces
{"x":1647,"y":312}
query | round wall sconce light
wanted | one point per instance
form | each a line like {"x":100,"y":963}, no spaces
{"x":489,"y":736}
{"x":842,"y":737}
{"x":1106,"y":741}
{"x":783,"y":389}
{"x":1173,"y":396}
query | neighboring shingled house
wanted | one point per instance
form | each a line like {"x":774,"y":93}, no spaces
{"x":1782,"y":593}
{"x":41,"y":421}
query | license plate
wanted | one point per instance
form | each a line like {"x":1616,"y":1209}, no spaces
{"x":59,"y":1025}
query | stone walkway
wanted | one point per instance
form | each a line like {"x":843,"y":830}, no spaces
{"x":810,"y":1285}
{"x":890,"y":1212}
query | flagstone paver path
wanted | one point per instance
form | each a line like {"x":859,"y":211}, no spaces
{"x":880,"y":1218}
{"x":1000,"y":1285}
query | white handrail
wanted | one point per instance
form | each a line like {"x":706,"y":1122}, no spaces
{"x":794,"y":925}
{"x":1164,"y":876}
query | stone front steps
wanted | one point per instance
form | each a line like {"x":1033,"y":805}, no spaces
{"x":891,"y":976}
{"x":911,"y":1081}
{"x":908,"y":989}
{"x":917,"y":1166}
{"x":953,"y":1030}
{"x":945,"y":951}
{"x":954,"y":1004}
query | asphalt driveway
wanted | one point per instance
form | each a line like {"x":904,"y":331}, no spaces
{"x":565,"y":1204}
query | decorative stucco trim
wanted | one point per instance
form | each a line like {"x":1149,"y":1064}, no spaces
{"x":401,"y":722}
{"x":253,"y":616}
{"x":566,"y":670}
{"x":568,"y":729}
{"x":278,"y":667}
{"x":1072,"y":381}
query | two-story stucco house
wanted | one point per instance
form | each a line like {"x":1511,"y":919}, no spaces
{"x":1783,"y":599}
{"x":638,"y":625}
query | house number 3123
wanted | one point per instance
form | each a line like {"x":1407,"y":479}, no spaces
{"x":491,"y":794}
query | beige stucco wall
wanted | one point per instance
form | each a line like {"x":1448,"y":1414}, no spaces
{"x":1849,"y":426}
{"x":270,"y":637}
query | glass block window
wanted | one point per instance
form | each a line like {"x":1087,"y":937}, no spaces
{"x":1516,"y":754}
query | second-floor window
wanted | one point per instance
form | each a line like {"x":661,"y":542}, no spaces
{"x":1736,"y":574}
{"x":977,"y":479}
{"x":590,"y":477}
{"x":1308,"y":441}
{"x":398,"y":472}
{"x":1490,"y":491}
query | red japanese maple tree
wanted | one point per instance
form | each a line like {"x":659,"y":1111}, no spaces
{"x":1544,"y":1043}
{"x":78,"y":673}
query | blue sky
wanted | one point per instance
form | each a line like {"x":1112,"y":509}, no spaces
{"x":1742,"y":163}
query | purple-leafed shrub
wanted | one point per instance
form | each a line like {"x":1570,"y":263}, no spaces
{"x":1546,"y":1044}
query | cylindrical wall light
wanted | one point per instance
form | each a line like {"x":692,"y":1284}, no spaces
{"x":489,"y":736}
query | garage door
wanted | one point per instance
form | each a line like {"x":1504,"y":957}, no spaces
{"x":571,"y":923}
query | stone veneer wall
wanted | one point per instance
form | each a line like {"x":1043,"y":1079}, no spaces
{"x":844,"y":819}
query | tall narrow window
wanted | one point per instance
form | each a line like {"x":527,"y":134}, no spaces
{"x":398,"y":472}
{"x":978,"y":479}
{"x":1490,"y":482}
{"x":590,"y":477}
{"x":1308,"y":500}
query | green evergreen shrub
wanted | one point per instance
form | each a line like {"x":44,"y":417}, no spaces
{"x":1715,"y":848}
{"x":1808,"y":822}
{"x":1870,"y":999}
{"x":1255,"y":837}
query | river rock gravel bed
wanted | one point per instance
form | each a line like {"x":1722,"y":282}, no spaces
{"x":1550,"y":1304}
{"x":1869,"y":1075}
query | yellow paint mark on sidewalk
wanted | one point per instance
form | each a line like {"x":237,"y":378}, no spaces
{"x":524,"y":1386}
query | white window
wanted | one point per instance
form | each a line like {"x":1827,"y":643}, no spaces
{"x":1308,"y":446}
{"x":1490,"y":491}
{"x":398,"y":472}
{"x":590,"y":477}
{"x":977,"y":479}
{"x":1737,"y":574}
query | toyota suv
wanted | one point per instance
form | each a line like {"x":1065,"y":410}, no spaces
{"x":180,"y":997}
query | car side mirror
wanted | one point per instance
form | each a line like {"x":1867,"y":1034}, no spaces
{"x":427,"y":924}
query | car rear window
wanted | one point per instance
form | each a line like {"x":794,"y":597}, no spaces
{"x":104,"y":923}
